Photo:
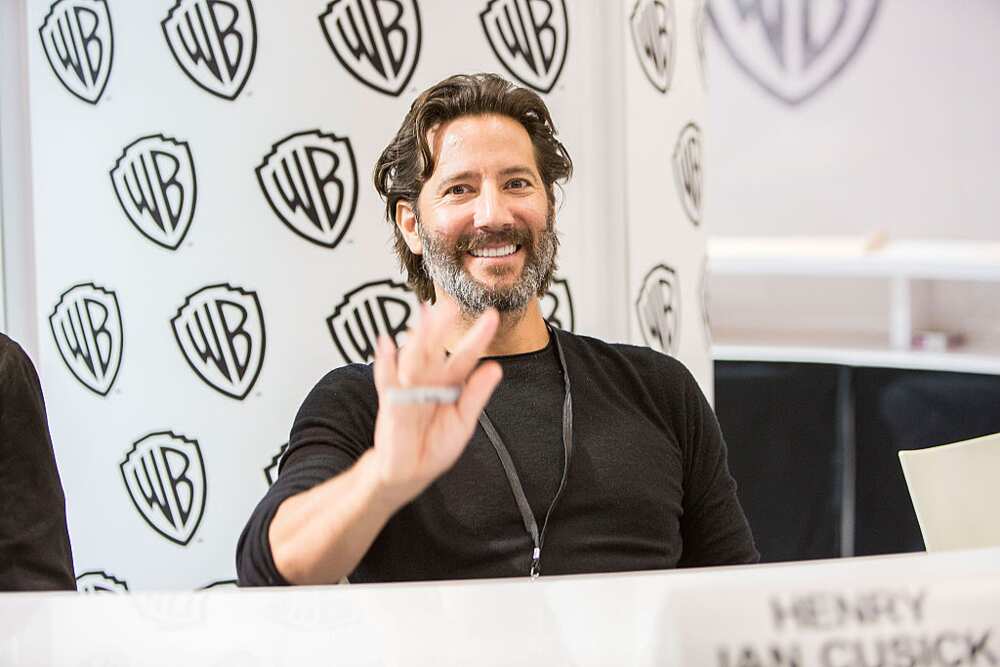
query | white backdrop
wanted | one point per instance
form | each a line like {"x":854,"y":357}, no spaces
{"x":193,"y":283}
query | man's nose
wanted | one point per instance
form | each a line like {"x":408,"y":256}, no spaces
{"x":492,"y":209}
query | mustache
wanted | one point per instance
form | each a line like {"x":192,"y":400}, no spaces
{"x":507,"y":236}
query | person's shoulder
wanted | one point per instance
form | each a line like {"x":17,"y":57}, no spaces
{"x":644,"y":360}
{"x":351,"y":384}
{"x":13,"y":359}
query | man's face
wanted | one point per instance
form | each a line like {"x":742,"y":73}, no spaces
{"x":484,"y":220}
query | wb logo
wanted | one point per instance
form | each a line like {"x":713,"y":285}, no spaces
{"x":381,"y":307}
{"x":155,"y":184}
{"x":98,"y":581}
{"x":653,"y":30}
{"x":271,"y":471}
{"x":220,"y":330}
{"x":214,"y":42}
{"x":557,"y":305}
{"x":659,"y":310}
{"x":377,"y":41}
{"x":310,"y":180}
{"x":165,"y":476}
{"x":530,"y":38}
{"x":87,"y":327}
{"x":688,"y":171}
{"x":792,"y":48}
{"x":79,"y":45}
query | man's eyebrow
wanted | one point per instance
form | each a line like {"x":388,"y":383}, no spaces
{"x":473,"y":175}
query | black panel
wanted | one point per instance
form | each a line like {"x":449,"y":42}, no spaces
{"x":780,"y":421}
{"x":901,"y":409}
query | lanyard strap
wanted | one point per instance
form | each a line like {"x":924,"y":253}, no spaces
{"x":530,"y":525}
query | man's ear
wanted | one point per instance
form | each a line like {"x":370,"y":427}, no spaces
{"x":406,"y":220}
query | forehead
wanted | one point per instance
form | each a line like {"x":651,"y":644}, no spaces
{"x":481,"y":143}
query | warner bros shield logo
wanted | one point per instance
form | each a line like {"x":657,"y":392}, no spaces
{"x":375,"y":308}
{"x":530,"y":38}
{"x":659,"y":310}
{"x":98,"y":581}
{"x":377,"y":41}
{"x":220,"y":330}
{"x":557,"y":305}
{"x":688,"y":174}
{"x":653,"y":29}
{"x":87,"y":327}
{"x":214,"y":42}
{"x":792,"y":48}
{"x":165,"y":477}
{"x":79,"y":45}
{"x":155,"y":183}
{"x":310,"y":179}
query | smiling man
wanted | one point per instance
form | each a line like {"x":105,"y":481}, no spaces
{"x":491,"y":444}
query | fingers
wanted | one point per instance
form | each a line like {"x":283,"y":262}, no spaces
{"x":385,"y":363}
{"x":472,"y":346}
{"x":477,"y":392}
{"x":424,"y":349}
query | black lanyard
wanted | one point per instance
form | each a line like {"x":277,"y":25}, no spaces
{"x":527,"y":516}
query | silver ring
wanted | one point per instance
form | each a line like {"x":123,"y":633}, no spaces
{"x":419,"y":395}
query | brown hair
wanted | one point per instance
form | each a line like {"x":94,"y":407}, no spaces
{"x":407,"y":163}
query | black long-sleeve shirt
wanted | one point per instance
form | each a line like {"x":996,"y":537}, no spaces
{"x":34,"y":544}
{"x":648,"y":484}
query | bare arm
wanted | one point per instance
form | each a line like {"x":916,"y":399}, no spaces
{"x":319,"y":536}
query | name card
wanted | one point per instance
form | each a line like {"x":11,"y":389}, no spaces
{"x":947,"y":623}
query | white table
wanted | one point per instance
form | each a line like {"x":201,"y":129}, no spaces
{"x":685,"y":617}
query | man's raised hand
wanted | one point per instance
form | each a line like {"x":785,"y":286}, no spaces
{"x":415,"y":442}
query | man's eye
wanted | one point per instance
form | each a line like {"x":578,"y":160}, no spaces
{"x":518,"y":183}
{"x":457,"y":190}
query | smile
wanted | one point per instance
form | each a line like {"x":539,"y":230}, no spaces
{"x":502,"y":251}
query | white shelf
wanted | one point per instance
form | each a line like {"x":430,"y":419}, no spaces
{"x":899,"y":263}
{"x":855,"y":257}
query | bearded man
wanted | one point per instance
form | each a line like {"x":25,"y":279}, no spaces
{"x":585,"y":456}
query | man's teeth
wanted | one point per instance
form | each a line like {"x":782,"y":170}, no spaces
{"x":495,"y":252}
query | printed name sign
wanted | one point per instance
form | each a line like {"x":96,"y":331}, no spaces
{"x":954,"y":623}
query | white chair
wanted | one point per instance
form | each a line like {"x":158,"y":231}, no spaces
{"x":956,"y":492}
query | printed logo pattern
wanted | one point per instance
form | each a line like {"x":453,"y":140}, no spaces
{"x":214,"y":42}
{"x":155,"y":183}
{"x":367,"y":311}
{"x":557,"y":305}
{"x":165,"y":477}
{"x":700,"y":13}
{"x":271,"y":470}
{"x":653,"y":35}
{"x":688,"y":171}
{"x":792,"y":48}
{"x":79,"y":45}
{"x":377,"y":41}
{"x":87,"y":327}
{"x":220,"y":330}
{"x":530,"y":38}
{"x":98,"y":581}
{"x":310,"y":180}
{"x":659,"y":310}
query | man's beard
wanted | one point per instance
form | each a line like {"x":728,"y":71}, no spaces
{"x":445,"y":264}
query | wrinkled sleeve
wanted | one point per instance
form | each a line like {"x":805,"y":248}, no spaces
{"x":333,"y":427}
{"x":34,"y":543}
{"x":714,"y":527}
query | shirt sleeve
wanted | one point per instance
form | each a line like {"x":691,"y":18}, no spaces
{"x":34,"y":542}
{"x":333,"y":427}
{"x":714,"y":528}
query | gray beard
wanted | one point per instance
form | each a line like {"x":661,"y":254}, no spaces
{"x":445,"y":266}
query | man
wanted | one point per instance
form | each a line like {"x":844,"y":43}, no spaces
{"x":34,"y":544}
{"x":588,"y":457}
